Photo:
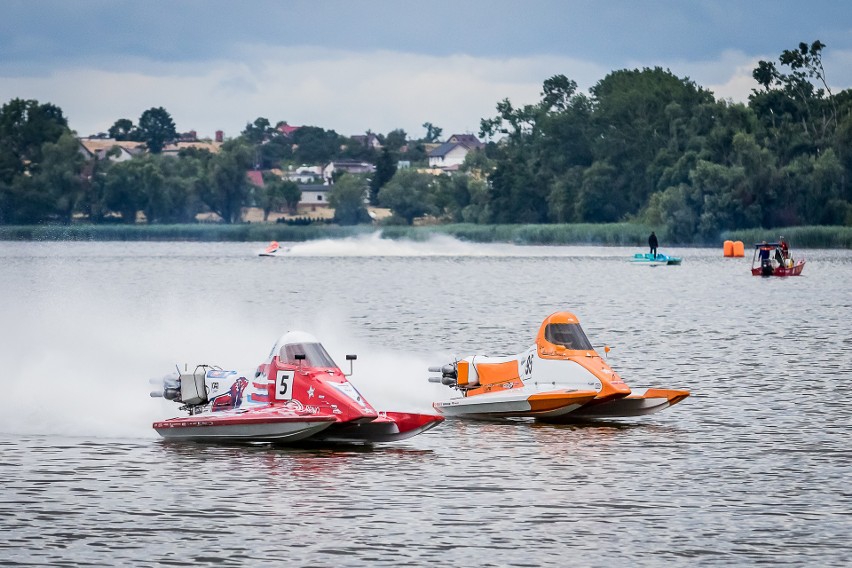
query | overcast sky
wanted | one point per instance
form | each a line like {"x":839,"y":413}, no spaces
{"x":381,"y":64}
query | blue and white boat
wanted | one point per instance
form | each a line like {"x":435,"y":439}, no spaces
{"x":654,"y":260}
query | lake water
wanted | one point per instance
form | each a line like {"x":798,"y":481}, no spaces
{"x":753,"y":468}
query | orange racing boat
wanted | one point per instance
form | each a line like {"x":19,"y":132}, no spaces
{"x":561,"y":378}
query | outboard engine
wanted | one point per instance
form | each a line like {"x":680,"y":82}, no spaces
{"x":187,"y":387}
{"x":766,"y":267}
{"x":449,"y":375}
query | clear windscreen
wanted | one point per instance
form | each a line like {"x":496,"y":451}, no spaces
{"x":315,"y":355}
{"x":569,"y":335}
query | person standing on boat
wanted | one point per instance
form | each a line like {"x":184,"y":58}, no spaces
{"x":764,"y":251}
{"x":652,"y":242}
{"x":785,"y":249}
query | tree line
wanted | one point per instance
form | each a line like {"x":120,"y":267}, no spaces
{"x":643,"y":145}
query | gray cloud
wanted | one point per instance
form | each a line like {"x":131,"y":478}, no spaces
{"x":379,"y":64}
{"x":61,"y":33}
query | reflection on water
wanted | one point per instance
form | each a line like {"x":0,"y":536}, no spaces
{"x":752,"y":468}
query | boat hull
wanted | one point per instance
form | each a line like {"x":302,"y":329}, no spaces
{"x":638,"y":403}
{"x":262,"y":425}
{"x":516,"y":404}
{"x":388,"y":427}
{"x":794,"y":270}
{"x":648,"y":259}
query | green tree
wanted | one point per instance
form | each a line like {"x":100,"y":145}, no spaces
{"x":156,"y":129}
{"x":25,"y":126}
{"x":385,"y":170}
{"x":258,"y":131}
{"x":314,"y":145}
{"x":596,"y":202}
{"x":636,"y":114}
{"x":479,"y":208}
{"x":123,"y":129}
{"x":541,"y":143}
{"x":433,"y":133}
{"x":126,"y":186}
{"x":409,"y":194}
{"x":722,"y":192}
{"x":171,"y":195}
{"x":563,"y":197}
{"x":94,"y":176}
{"x":797,"y":108}
{"x":347,"y":197}
{"x":460,"y":197}
{"x":292,"y":195}
{"x":478,"y":164}
{"x":275,"y":151}
{"x":226,"y":188}
{"x":25,"y":202}
{"x":59,"y":175}
{"x":182,"y":179}
{"x":674,"y":210}
{"x":159,"y":204}
{"x":276,"y":193}
{"x":395,"y":140}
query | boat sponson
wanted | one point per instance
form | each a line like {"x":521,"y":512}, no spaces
{"x":516,"y":405}
{"x":388,"y":427}
{"x":636,"y":404}
{"x":262,"y":425}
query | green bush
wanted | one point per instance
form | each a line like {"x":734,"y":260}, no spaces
{"x":611,"y":234}
{"x":798,"y":237}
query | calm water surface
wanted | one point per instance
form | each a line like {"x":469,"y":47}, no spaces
{"x":753,"y":468}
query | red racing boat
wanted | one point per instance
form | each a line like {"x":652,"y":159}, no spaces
{"x":297,"y":394}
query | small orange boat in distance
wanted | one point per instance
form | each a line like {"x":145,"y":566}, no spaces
{"x":561,"y":378}
{"x":273,"y":249}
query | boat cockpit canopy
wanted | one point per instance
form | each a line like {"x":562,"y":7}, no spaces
{"x":315,"y":355}
{"x":568,"y":335}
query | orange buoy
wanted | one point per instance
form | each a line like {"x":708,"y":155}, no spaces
{"x":728,"y":248}
{"x":739,"y":249}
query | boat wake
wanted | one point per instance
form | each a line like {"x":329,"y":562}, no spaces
{"x":374,"y":245}
{"x":95,"y":383}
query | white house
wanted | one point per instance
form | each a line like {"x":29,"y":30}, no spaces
{"x":368,"y":140}
{"x":314,"y":195}
{"x":452,"y":153}
{"x":98,"y":148}
{"x":304,"y":174}
{"x":348,"y":166}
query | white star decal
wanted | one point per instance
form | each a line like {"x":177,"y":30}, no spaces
{"x":311,"y":392}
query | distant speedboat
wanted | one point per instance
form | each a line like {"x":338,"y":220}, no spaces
{"x":298,"y":393}
{"x":652,"y":260}
{"x":273,"y":249}
{"x":561,"y":378}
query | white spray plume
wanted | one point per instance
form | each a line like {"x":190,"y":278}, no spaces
{"x":82,"y":367}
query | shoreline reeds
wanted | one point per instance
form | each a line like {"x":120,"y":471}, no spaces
{"x":610,"y":234}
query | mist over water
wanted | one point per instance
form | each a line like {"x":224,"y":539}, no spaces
{"x":434,"y":246}
{"x":752,"y":468}
{"x":82,"y":337}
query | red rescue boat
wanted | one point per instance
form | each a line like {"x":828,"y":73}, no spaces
{"x":775,"y":259}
